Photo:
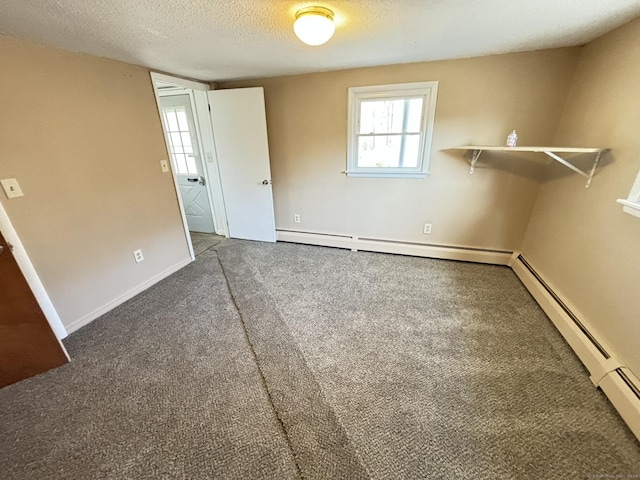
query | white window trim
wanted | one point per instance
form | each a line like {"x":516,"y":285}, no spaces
{"x":356,"y":94}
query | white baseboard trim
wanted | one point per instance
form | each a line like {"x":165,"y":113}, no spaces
{"x":90,"y":317}
{"x":494,"y":257}
{"x":598,"y":358}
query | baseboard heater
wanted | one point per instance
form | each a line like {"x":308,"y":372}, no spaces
{"x":564,"y":307}
{"x":445,"y":252}
{"x":618,"y":383}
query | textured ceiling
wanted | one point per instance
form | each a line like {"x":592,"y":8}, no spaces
{"x":230,"y":39}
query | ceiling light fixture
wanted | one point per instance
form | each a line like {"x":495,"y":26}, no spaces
{"x":314,"y":25}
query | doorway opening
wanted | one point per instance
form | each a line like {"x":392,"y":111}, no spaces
{"x":184,"y":113}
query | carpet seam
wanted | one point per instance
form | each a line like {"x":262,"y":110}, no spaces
{"x":262,"y":377}
{"x":273,"y":304}
{"x":205,"y":251}
{"x":212,"y":247}
{"x":257,"y":274}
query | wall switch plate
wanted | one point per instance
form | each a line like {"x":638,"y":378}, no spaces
{"x":164,"y":165}
{"x":137,"y":254}
{"x":427,"y":229}
{"x":296,"y":218}
{"x":11,"y":188}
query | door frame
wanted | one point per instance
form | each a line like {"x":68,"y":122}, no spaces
{"x":31,"y":276}
{"x":200,"y":104}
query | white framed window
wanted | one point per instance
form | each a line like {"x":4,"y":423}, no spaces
{"x":390,"y":129}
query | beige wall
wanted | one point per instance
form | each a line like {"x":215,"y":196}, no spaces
{"x":579,"y":239}
{"x":83,"y":137}
{"x":480,"y":101}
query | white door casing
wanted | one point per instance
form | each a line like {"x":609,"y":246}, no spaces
{"x":240,"y":131}
{"x":186,"y":159}
{"x":30,"y":274}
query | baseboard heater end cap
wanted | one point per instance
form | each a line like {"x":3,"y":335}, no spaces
{"x":623,"y":398}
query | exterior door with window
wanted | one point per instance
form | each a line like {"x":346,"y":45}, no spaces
{"x":187,"y":164}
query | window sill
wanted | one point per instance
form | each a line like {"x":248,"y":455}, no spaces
{"x":632,"y":208}
{"x":388,"y":174}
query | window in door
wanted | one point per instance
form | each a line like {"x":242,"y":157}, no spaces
{"x":180,"y":142}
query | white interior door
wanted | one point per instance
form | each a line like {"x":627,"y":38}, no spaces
{"x":240,"y":132}
{"x":186,"y":160}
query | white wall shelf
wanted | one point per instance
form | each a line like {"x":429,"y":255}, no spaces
{"x":552,"y":152}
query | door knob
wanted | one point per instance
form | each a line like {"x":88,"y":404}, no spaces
{"x":200,"y":180}
{"x":266,"y":182}
{"x":1,"y":249}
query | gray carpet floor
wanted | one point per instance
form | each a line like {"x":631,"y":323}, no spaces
{"x":202,"y":242}
{"x":164,"y":386}
{"x":291,"y":361}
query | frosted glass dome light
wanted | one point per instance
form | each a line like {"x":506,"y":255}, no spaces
{"x":314,"y":25}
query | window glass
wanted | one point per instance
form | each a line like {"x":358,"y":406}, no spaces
{"x":390,"y":129}
{"x":180,"y":142}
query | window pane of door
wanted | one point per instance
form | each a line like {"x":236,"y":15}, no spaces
{"x":172,"y":121}
{"x":183,"y":125}
{"x":180,"y":141}
{"x":191,"y":165}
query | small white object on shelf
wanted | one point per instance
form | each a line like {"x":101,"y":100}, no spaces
{"x":512,"y":139}
{"x":549,"y":151}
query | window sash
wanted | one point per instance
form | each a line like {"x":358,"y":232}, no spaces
{"x":403,"y":148}
{"x":403,"y":134}
{"x":399,"y":166}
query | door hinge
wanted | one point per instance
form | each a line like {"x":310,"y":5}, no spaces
{"x":209,"y":106}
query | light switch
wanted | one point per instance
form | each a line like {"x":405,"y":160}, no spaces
{"x":11,"y":188}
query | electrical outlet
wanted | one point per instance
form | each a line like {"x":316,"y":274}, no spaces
{"x":296,"y":218}
{"x":164,"y":165}
{"x":427,"y":229}
{"x":137,"y":254}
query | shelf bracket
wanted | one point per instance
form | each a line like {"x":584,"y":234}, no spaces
{"x":475,"y":155}
{"x":588,"y":176}
{"x":593,"y":169}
